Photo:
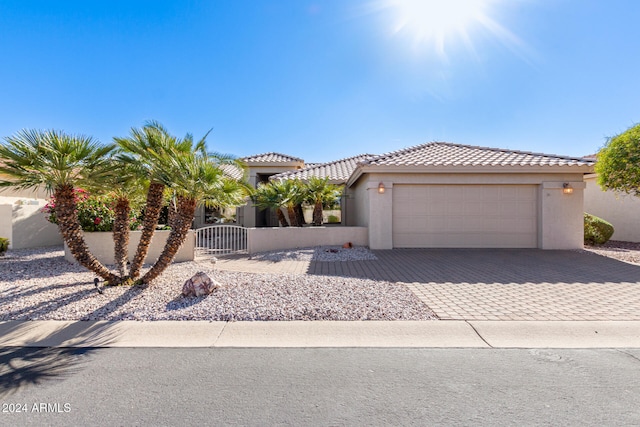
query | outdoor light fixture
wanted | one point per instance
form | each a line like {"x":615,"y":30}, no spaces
{"x":566,"y":188}
{"x":381,"y":188}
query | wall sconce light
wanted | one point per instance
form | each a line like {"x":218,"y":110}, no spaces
{"x":566,"y":188}
{"x":381,"y":188}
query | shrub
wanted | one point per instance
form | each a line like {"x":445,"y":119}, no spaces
{"x":332,"y":219}
{"x":596,"y":230}
{"x":95,"y":213}
{"x":4,"y":245}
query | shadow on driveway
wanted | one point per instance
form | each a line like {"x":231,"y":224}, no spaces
{"x":484,"y":266}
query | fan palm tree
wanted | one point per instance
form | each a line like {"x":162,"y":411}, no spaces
{"x":155,"y":151}
{"x":194,"y":179}
{"x":293,"y":194}
{"x":59,"y":162}
{"x":128,"y":187}
{"x":321,"y":193}
{"x":267,"y":196}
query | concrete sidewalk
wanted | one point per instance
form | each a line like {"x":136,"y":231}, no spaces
{"x":434,"y":334}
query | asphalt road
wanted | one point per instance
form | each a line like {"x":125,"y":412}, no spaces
{"x":366,"y":386}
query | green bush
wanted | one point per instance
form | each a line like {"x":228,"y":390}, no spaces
{"x":332,"y":219}
{"x":4,"y":245}
{"x":596,"y":230}
{"x":95,"y":213}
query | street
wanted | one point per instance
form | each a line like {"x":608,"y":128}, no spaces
{"x":312,"y":386}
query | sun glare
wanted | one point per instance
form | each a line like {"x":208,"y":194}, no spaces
{"x":438,"y":23}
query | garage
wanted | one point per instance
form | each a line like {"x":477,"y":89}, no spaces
{"x":465,"y":216}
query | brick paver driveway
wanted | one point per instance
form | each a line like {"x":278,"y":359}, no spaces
{"x":499,"y":284}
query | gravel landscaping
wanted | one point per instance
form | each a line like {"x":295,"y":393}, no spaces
{"x":623,"y":251}
{"x":40,"y":285}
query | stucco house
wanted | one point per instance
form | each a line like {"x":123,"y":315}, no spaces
{"x":459,"y":196}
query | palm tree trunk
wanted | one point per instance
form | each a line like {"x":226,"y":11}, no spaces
{"x":172,"y":213}
{"x":291,"y":212}
{"x":121,"y":234}
{"x":177,"y":236}
{"x":299,"y":215}
{"x":72,"y":234}
{"x":281,"y":218}
{"x":151,"y":215}
{"x":317,"y":213}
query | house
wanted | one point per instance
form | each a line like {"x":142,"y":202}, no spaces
{"x":444,"y":195}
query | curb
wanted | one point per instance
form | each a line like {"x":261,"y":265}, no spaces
{"x":320,"y":334}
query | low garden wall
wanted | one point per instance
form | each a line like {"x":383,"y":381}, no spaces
{"x":101,"y":246}
{"x":277,"y":238}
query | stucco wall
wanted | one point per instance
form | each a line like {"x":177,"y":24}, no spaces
{"x":358,"y":211}
{"x":560,"y":219}
{"x":560,"y":223}
{"x":6,"y":225}
{"x":269,"y":239}
{"x":620,"y":209}
{"x":25,"y":226}
{"x":101,"y":246}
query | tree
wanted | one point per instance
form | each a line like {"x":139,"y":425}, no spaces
{"x":59,"y":162}
{"x":292,"y":192}
{"x":194,"y":178}
{"x":618,"y":165}
{"x":319,"y":194}
{"x":148,"y":150}
{"x":267,"y":196}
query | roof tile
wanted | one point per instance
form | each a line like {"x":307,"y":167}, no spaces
{"x":271,"y":157}
{"x":448,"y":154}
{"x":338,"y":170}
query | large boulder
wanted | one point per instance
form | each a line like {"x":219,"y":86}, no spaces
{"x":200,"y":284}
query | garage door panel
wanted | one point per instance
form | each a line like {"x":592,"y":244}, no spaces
{"x":464,"y":216}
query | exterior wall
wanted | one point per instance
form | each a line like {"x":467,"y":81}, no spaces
{"x":620,"y":209}
{"x":269,"y":239}
{"x":6,"y":225}
{"x":560,"y":221}
{"x":23,"y":223}
{"x":101,"y":246}
{"x":357,"y":205}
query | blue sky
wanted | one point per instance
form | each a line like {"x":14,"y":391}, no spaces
{"x":325,"y":79}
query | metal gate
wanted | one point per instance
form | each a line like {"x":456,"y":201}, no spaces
{"x":221,"y":240}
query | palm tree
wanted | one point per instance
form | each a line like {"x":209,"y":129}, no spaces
{"x":293,"y":194}
{"x":195,"y":178}
{"x":127,"y":187}
{"x":59,"y":162}
{"x":148,"y":149}
{"x":267,"y":196}
{"x":319,"y":194}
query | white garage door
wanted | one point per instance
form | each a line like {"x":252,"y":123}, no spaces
{"x":465,"y":216}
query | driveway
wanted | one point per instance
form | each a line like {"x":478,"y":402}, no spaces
{"x":493,"y":284}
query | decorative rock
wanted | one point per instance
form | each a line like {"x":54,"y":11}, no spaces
{"x":347,"y":245}
{"x":200,"y":284}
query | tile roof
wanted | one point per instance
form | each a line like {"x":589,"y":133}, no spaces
{"x":271,"y":158}
{"x":448,"y":154}
{"x":232,"y":171}
{"x":336,"y":171}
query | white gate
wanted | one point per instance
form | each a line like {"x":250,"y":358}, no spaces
{"x":220,"y":240}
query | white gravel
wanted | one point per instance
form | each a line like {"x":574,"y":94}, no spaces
{"x":41,"y":285}
{"x":319,"y":253}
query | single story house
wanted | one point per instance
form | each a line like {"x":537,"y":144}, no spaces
{"x":444,"y":195}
